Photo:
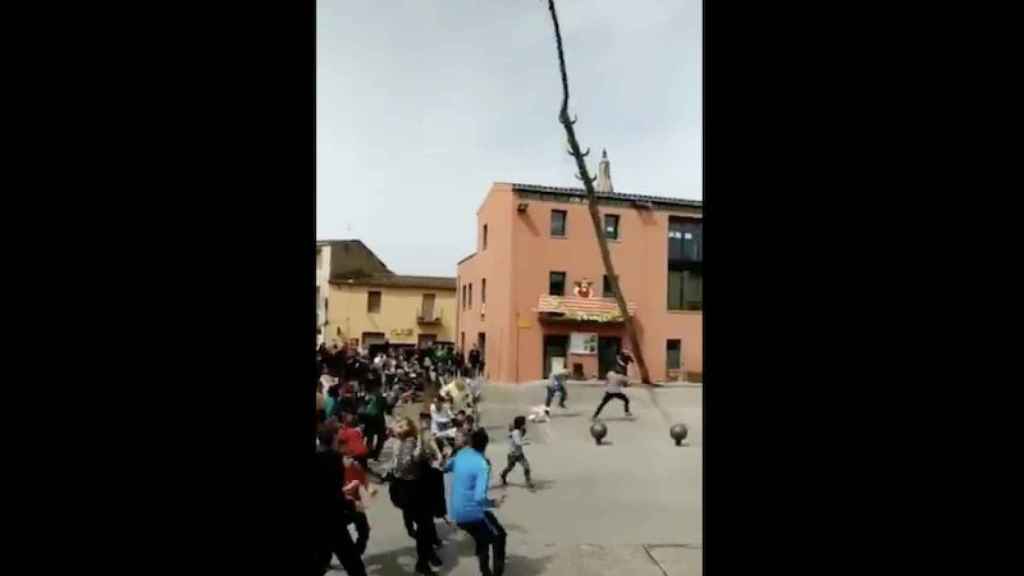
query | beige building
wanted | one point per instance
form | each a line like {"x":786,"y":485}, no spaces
{"x":362,"y":302}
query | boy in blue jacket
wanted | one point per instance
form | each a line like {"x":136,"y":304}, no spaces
{"x":470,"y":504}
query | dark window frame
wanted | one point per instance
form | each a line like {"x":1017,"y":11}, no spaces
{"x":485,"y":237}
{"x":679,"y":354}
{"x":483,"y":291}
{"x":685,"y":301}
{"x":551,"y":278}
{"x":678,"y":225}
{"x":369,"y":301}
{"x":618,"y":226}
{"x":689,"y":266}
{"x":565,"y":223}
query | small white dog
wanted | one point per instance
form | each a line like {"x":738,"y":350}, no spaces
{"x":539,"y":413}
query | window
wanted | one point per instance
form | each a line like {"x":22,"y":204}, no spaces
{"x":485,"y":236}
{"x":556,"y":284}
{"x":558,"y":218}
{"x":685,"y":240}
{"x":483,"y":291}
{"x":470,"y":295}
{"x":427,"y":307}
{"x":373,"y":302}
{"x":611,"y":226}
{"x":608,"y":291}
{"x":685,"y":264}
{"x":673,"y":354}
{"x":685,"y":290}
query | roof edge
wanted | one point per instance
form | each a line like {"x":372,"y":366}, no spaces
{"x":397,"y":281}
{"x":682,"y":202}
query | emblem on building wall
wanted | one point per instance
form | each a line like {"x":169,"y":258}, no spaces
{"x":582,"y":289}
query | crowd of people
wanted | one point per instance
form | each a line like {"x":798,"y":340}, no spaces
{"x":357,"y":393}
{"x":355,"y":417}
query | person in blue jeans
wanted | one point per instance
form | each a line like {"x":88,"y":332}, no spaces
{"x":470,"y":504}
{"x":557,"y":385}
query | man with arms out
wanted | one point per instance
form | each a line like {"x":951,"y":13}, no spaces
{"x":470,"y":503}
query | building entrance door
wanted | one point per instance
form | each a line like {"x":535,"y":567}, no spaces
{"x":607,"y":350}
{"x":556,"y":352}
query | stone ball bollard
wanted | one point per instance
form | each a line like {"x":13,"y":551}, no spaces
{"x":678,"y":432}
{"x":598,"y":430}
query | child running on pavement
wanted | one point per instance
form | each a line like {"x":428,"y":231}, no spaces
{"x":355,"y":488}
{"x":516,"y":436}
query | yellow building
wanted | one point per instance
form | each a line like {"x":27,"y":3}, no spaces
{"x":361,"y":302}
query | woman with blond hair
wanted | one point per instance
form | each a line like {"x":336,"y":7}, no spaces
{"x":410,"y":492}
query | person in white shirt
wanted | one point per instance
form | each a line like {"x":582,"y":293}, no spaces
{"x":326,"y":381}
{"x":614,"y":390}
{"x":441,"y":418}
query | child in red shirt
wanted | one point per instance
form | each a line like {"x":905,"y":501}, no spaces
{"x":351,"y":442}
{"x":356,"y":485}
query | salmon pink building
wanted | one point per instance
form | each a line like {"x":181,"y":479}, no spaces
{"x":533,"y":297}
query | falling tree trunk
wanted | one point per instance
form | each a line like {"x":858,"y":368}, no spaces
{"x":595,"y":217}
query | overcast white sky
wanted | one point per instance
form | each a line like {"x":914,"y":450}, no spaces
{"x":422,"y":104}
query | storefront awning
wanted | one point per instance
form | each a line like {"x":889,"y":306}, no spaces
{"x":582,"y":309}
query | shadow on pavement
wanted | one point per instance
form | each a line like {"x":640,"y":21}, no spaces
{"x":402,"y":560}
{"x":538,"y":485}
{"x":388,"y":562}
{"x":565,"y":415}
{"x":516,"y":565}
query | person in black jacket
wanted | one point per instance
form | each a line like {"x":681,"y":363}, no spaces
{"x":474,"y":361}
{"x":460,"y":362}
{"x":333,"y":512}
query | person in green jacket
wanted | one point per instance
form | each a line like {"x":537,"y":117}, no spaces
{"x":374,"y":421}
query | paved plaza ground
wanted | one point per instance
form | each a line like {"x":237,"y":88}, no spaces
{"x":631,"y":506}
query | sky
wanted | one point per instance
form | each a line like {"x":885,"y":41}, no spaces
{"x":423,"y":104}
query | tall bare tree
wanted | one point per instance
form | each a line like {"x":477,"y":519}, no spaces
{"x":595,"y":217}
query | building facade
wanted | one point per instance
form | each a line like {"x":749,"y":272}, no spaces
{"x":361,"y":302}
{"x":533,"y":296}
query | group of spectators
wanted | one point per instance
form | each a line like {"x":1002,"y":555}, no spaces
{"x":434,"y":363}
{"x":356,"y":398}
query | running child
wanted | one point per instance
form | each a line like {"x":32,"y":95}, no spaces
{"x":358,"y":491}
{"x":516,"y":437}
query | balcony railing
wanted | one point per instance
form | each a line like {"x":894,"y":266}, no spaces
{"x":431,"y":316}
